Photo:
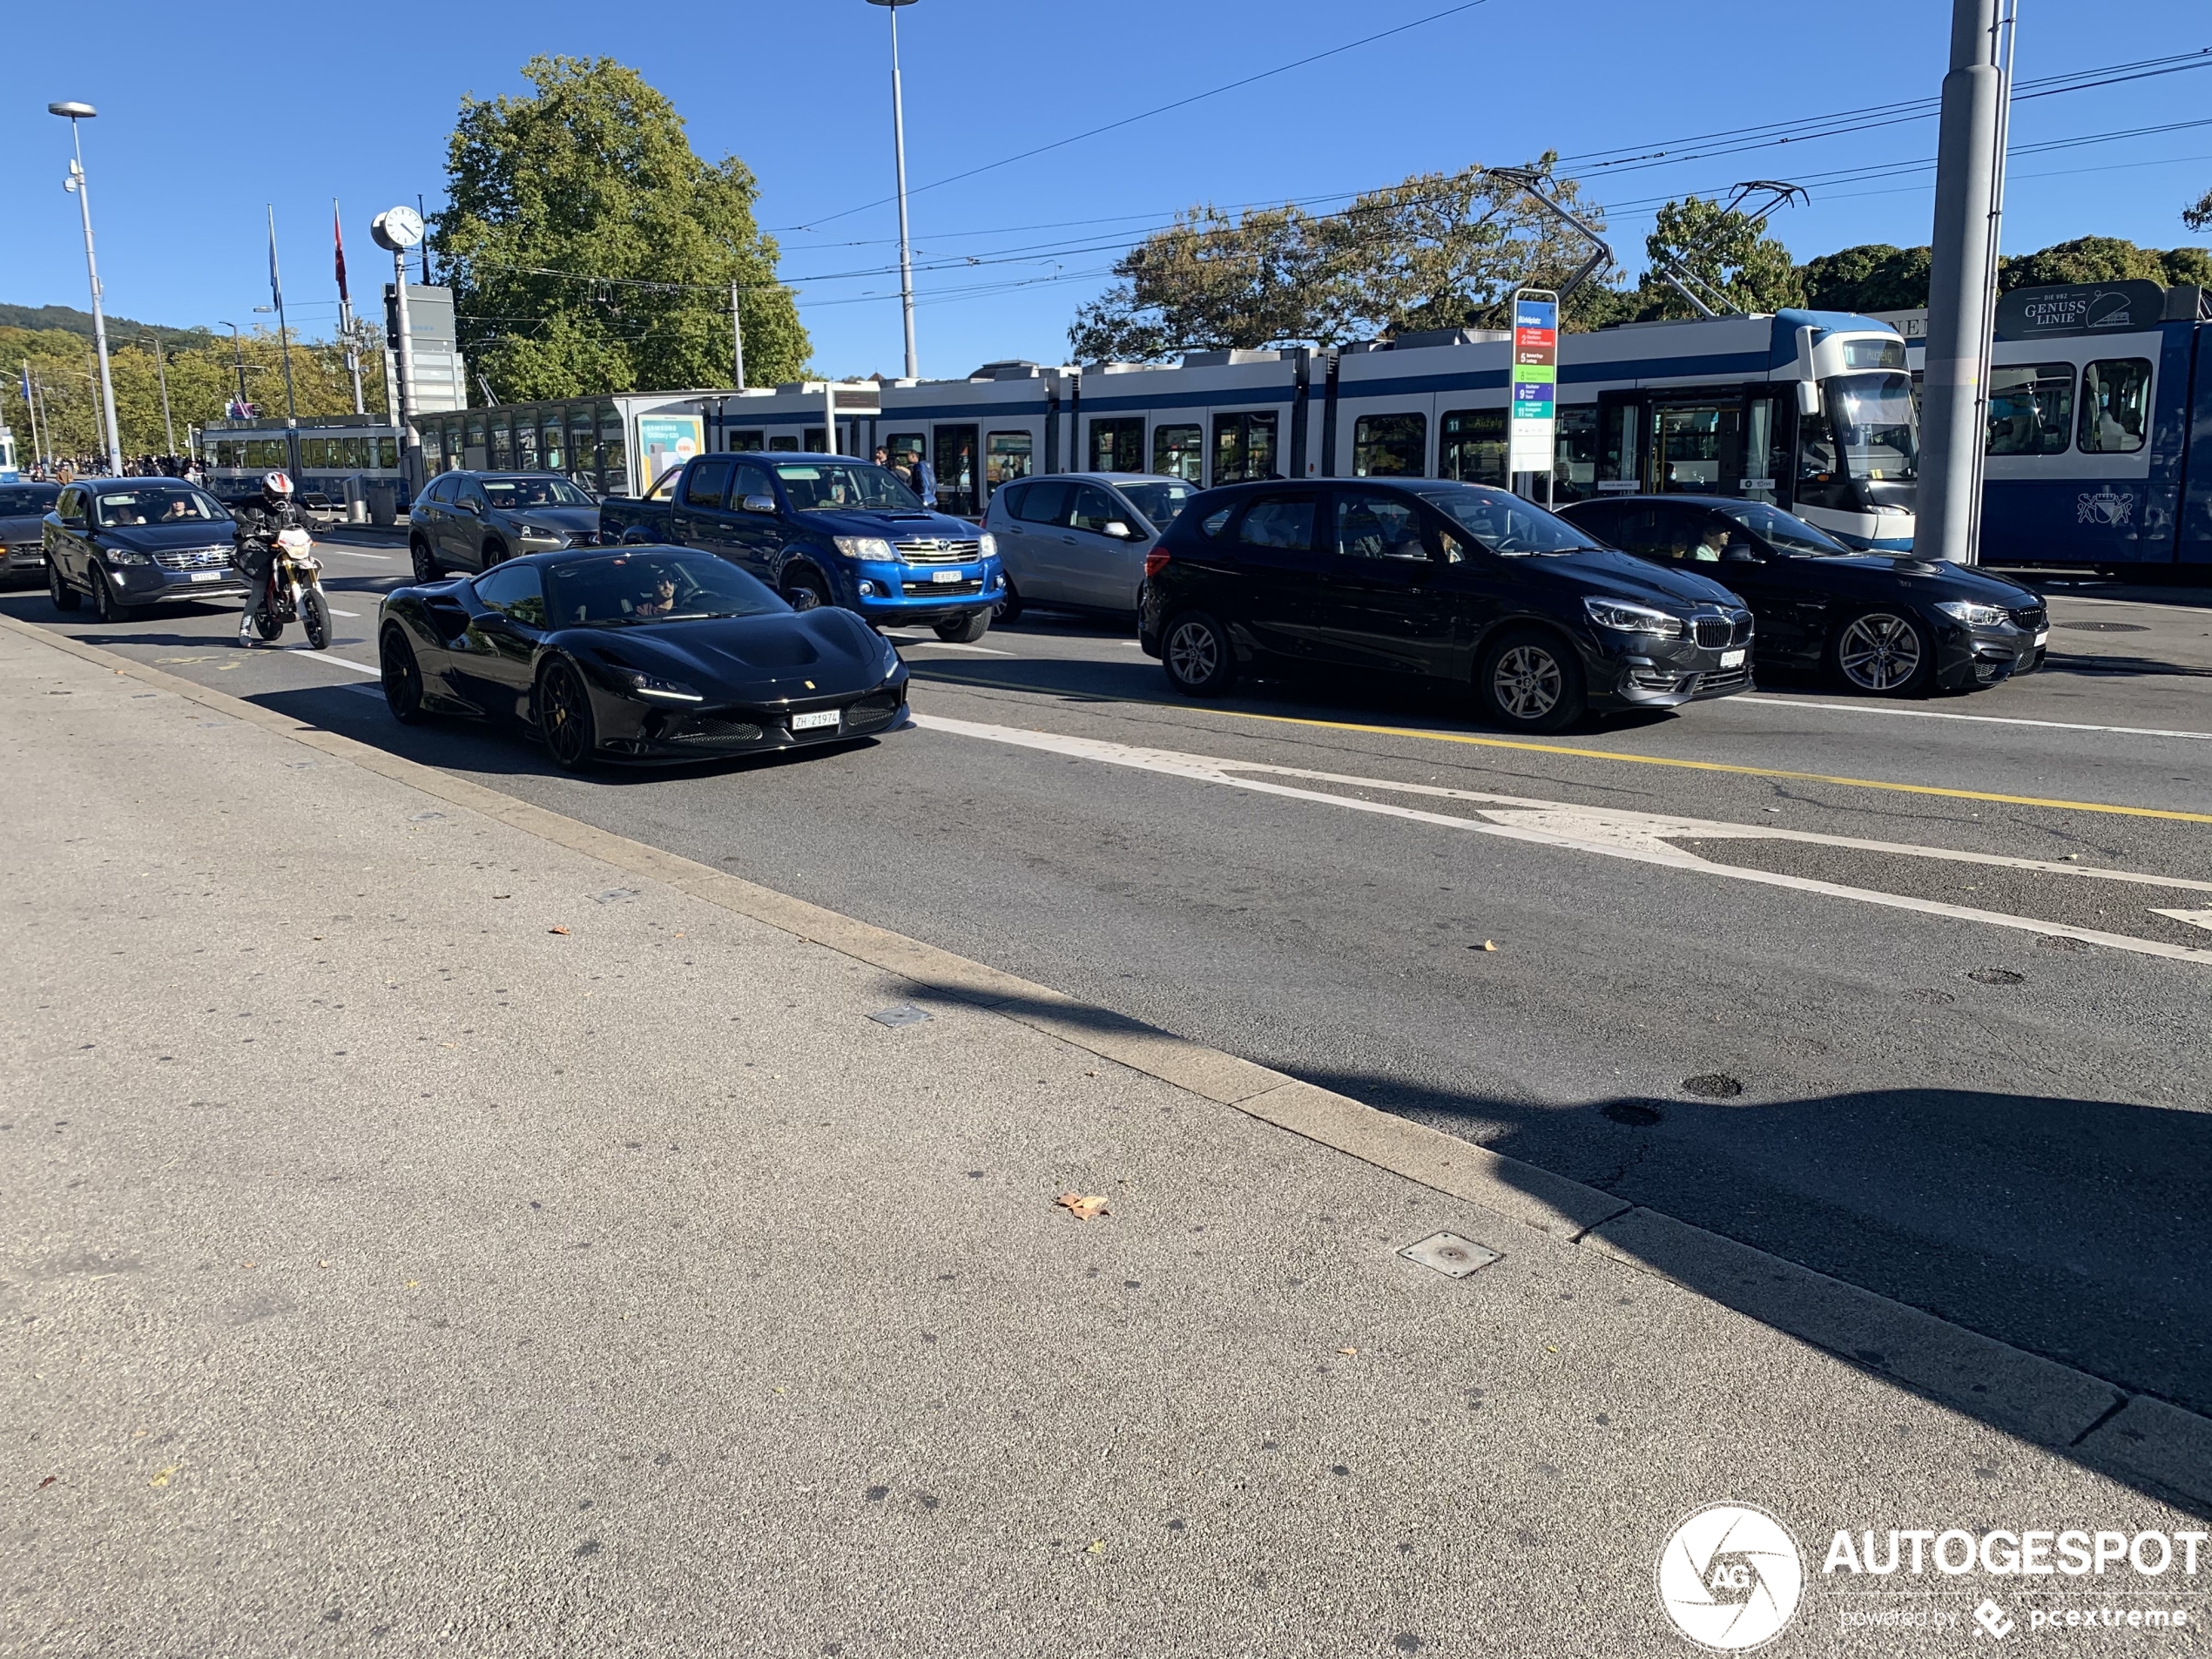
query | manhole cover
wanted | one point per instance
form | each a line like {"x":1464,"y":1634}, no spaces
{"x":1714,"y":1085}
{"x":2062,"y":941}
{"x":616,"y":895}
{"x":2103,"y":627}
{"x":1627,"y":1112}
{"x":1997,"y":976}
{"x":1451,"y":1255}
{"x":905,"y":1014}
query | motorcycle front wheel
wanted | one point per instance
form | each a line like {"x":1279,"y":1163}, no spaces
{"x":314,"y":616}
{"x":267,"y":623}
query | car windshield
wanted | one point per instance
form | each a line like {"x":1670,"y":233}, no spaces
{"x":506,"y":495}
{"x":1161,"y":503}
{"x":155,"y":504}
{"x":1873,"y":416}
{"x":616,"y":591}
{"x":1787,"y":533}
{"x":830,"y":486}
{"x":1507,"y":524}
{"x":24,"y":500}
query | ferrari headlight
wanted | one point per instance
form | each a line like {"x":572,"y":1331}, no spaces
{"x":1624,"y":617}
{"x":865,"y":547}
{"x":652,"y":685}
{"x":1973,"y":615}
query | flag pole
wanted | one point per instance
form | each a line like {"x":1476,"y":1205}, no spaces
{"x":284,"y":345}
{"x":346,"y":310}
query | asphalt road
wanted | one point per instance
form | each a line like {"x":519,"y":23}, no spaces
{"x":1863,"y":1057}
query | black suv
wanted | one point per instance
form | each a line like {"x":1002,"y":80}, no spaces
{"x":1426,"y":579}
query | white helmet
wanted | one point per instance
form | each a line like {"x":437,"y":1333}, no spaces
{"x":276,"y":486}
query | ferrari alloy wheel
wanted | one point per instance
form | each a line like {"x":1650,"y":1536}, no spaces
{"x":564,"y":715}
{"x":402,"y":676}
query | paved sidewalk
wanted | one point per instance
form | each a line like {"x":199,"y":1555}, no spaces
{"x":421,"y":1236}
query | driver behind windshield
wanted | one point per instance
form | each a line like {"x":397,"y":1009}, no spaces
{"x":659,"y":600}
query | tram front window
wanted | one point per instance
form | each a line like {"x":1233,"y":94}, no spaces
{"x":1876,"y":434}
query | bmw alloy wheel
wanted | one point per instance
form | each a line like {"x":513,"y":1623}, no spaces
{"x":1528,"y":682}
{"x":1880,"y":652}
{"x":1193,"y":653}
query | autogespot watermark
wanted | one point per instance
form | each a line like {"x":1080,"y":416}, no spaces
{"x":1731,"y":1578}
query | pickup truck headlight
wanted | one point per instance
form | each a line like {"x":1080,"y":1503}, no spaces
{"x":652,"y":685}
{"x":865,"y":547}
{"x":1973,"y":615}
{"x":1625,"y":619}
{"x":990,"y":545}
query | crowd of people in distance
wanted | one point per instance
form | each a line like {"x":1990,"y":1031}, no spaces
{"x":62,"y":470}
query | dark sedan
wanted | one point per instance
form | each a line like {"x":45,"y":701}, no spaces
{"x":133,"y":541}
{"x":23,"y":508}
{"x":648,"y":654}
{"x":470,"y":520}
{"x":1894,"y":626}
{"x":1450,"y":583}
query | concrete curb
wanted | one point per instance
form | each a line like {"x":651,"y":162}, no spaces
{"x":2022,"y":1393}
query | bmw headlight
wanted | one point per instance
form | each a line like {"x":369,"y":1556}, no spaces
{"x":990,"y":545}
{"x":1973,"y":615}
{"x":865,"y":547}
{"x":652,"y":685}
{"x":1625,"y":619}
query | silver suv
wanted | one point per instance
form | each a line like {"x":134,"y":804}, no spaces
{"x":470,"y":520}
{"x":1076,"y":540}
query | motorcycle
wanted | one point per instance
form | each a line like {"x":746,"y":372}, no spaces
{"x":295,"y":590}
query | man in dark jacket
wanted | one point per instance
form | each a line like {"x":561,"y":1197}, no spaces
{"x":260,"y":520}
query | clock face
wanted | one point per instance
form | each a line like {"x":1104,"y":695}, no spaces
{"x":402,"y":225}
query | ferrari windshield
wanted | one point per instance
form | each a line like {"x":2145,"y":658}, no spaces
{"x":1506,"y":523}
{"x":844,"y":486}
{"x":157,"y":504}
{"x":617,"y":589}
{"x":505,"y":495}
{"x":1785,"y":532}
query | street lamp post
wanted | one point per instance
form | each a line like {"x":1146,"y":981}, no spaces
{"x":899,"y":151}
{"x":75,"y":184}
{"x":168,"y":427}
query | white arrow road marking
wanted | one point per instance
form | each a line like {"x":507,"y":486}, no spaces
{"x":1641,"y":837}
{"x":2195,"y":918}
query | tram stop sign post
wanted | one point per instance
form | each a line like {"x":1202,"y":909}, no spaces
{"x":1532,"y":429}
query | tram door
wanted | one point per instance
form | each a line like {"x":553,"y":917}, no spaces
{"x":1720,"y":440}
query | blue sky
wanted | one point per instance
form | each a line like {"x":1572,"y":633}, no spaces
{"x":189,"y":145}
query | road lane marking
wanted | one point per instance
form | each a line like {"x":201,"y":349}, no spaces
{"x":2195,"y":918}
{"x":354,"y":553}
{"x":335,"y":611}
{"x":947,"y":645}
{"x":325,"y":656}
{"x":1641,"y":837}
{"x":1983,"y":719}
{"x":1524,"y":746}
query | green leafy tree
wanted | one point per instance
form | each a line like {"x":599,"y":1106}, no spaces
{"x":1727,"y":249}
{"x":1208,"y":282}
{"x":1872,"y":276}
{"x":2198,"y":214}
{"x":591,"y":249}
{"x":2086,"y":259}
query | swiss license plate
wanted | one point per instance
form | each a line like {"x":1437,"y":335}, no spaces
{"x":815,"y":721}
{"x":1732,"y":659}
{"x":944,"y":576}
{"x":207,"y":575}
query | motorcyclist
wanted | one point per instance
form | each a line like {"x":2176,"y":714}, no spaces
{"x":260,"y":520}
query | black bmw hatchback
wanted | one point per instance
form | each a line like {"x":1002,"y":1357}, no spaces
{"x":1430,"y":580}
{"x":1872,"y":622}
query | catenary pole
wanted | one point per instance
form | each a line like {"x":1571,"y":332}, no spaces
{"x":76,"y":114}
{"x":1968,"y":185}
{"x":899,"y":155}
{"x":161,"y":374}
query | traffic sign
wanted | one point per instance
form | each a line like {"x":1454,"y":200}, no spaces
{"x":1532,"y":433}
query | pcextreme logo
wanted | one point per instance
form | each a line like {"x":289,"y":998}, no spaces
{"x":1729,"y":1577}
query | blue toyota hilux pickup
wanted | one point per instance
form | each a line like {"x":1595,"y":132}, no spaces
{"x":823,"y":530}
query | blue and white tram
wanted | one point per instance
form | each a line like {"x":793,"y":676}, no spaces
{"x":2100,"y":435}
{"x":1810,"y":410}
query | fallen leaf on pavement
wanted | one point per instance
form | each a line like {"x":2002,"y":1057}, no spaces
{"x":1082,"y":1207}
{"x":162,"y":1480}
{"x":48,"y":1481}
{"x":1096,"y":1547}
{"x":1354,"y":1352}
{"x":557,"y":930}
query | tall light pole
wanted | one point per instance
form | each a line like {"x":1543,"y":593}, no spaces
{"x":75,"y":184}
{"x":1969,"y":175}
{"x":168,"y":428}
{"x":899,"y":151}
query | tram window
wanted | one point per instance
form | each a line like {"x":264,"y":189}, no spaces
{"x":783,"y":446}
{"x":1006,"y":457}
{"x":502,"y":446}
{"x":1762,"y":456}
{"x":1701,"y":447}
{"x":2116,"y":406}
{"x":1574,"y":455}
{"x":817,"y":442}
{"x":1117,"y":446}
{"x":525,"y":444}
{"x":1472,"y":447}
{"x":750,"y":443}
{"x":553,"y":453}
{"x":1244,"y":447}
{"x":230,"y":452}
{"x":1179,"y":452}
{"x":265,"y":452}
{"x":954,"y":465}
{"x":1389,"y":446}
{"x":1622,"y":460}
{"x":2031,"y":408}
{"x":902,"y":451}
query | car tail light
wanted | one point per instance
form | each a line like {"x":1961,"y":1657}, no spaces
{"x":1155,"y":561}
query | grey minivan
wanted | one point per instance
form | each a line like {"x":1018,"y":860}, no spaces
{"x":1076,"y":540}
{"x":470,"y":520}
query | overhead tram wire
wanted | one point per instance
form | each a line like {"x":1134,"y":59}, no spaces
{"x":1146,"y":115}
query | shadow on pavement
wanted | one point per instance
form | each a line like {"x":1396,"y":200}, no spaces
{"x":2095,"y":1271}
